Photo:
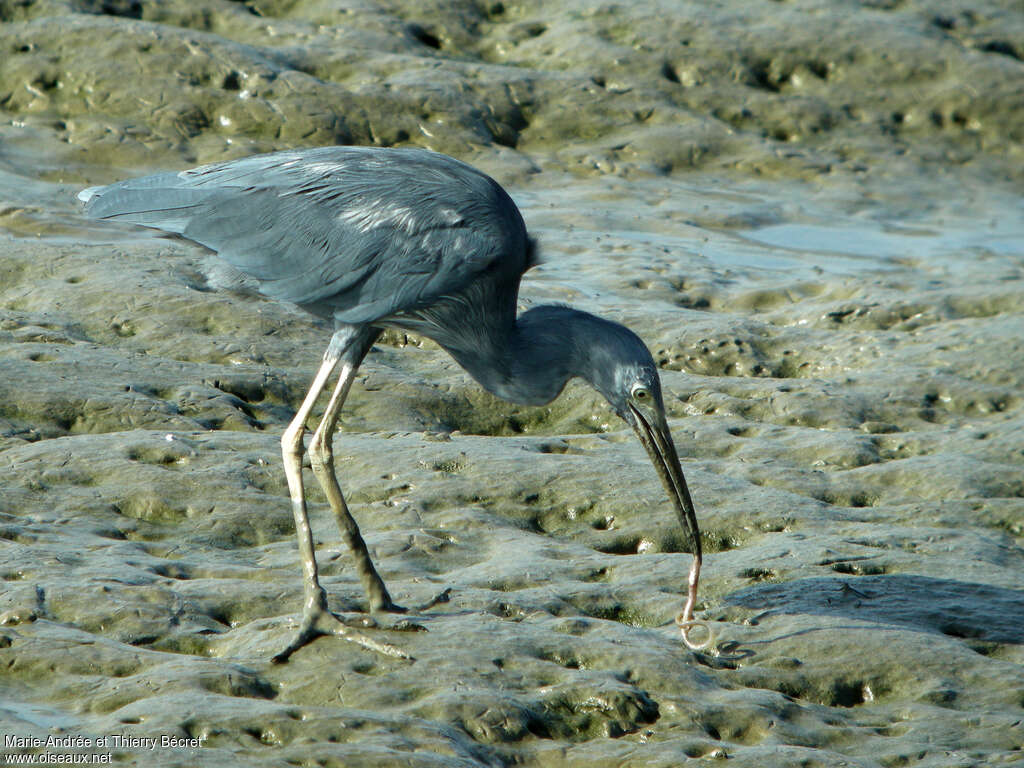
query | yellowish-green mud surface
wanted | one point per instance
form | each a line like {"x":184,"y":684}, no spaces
{"x":809,"y":210}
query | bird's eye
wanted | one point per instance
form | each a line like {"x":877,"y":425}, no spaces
{"x":640,"y":393}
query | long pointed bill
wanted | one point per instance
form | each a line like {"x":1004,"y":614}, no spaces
{"x":657,"y":440}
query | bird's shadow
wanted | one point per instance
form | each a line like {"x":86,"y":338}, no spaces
{"x":974,"y":612}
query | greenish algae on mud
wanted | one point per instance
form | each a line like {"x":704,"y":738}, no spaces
{"x":836,"y":303}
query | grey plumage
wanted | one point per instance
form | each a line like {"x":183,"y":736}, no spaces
{"x":334,"y":230}
{"x":373,"y":238}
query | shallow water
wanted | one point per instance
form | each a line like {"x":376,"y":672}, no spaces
{"x":842,"y":357}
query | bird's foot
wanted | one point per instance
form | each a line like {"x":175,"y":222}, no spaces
{"x":442,"y":597}
{"x":386,"y":605}
{"x":318,"y":621}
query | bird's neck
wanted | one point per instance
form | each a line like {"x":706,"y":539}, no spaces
{"x":530,"y":361}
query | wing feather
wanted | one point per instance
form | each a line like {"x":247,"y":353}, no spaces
{"x":359,"y":232}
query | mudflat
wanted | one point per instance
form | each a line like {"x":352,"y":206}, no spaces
{"x":810,"y":212}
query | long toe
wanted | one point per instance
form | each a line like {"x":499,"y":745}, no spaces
{"x":442,"y":597}
{"x":391,"y":607}
{"x":317,"y":622}
{"x":388,"y":606}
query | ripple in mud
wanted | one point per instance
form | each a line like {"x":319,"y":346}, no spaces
{"x":598,"y":605}
{"x":713,"y":539}
{"x":748,"y":351}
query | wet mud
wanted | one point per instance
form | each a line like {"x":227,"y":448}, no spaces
{"x":810,"y":212}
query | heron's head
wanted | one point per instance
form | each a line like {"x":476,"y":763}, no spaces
{"x":622,"y":369}
{"x":561,"y":342}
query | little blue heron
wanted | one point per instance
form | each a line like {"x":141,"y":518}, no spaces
{"x":373,"y":238}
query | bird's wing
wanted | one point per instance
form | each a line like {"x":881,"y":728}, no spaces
{"x":365,"y":231}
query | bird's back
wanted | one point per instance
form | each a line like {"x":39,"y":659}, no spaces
{"x":360,"y":234}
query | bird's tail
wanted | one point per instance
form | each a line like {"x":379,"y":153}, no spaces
{"x":163,"y":202}
{"x":88,"y":194}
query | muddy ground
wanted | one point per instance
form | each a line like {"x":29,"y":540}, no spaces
{"x":810,"y":211}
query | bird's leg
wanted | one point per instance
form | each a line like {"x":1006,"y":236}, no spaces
{"x":321,"y":457}
{"x":316,"y":618}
